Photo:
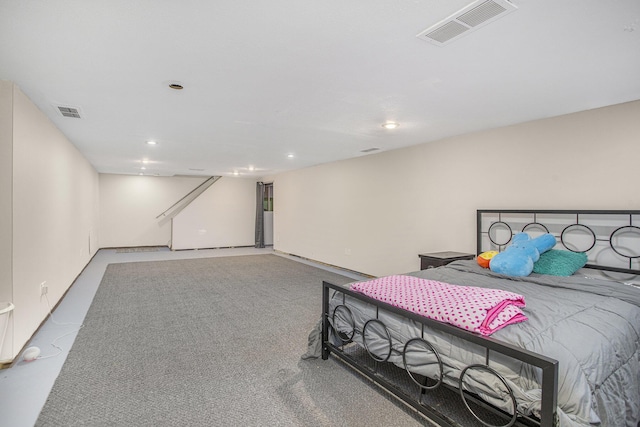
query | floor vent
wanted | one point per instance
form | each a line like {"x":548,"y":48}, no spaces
{"x":466,"y":20}
{"x":69,"y":111}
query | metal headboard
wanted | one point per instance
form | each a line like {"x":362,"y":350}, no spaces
{"x":611,"y":239}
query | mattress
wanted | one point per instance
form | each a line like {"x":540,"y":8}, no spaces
{"x":589,"y":325}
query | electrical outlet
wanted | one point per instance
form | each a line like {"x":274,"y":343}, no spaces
{"x":44,"y":289}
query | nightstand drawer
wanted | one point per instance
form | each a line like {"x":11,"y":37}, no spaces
{"x":438,"y":259}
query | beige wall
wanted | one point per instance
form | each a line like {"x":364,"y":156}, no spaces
{"x":224,"y":215}
{"x":374,"y":214}
{"x":54,"y":208}
{"x":129,"y":205}
{"x":6,"y":215}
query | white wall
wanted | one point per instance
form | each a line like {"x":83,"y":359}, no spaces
{"x":224,"y":215}
{"x":374,"y":214}
{"x":129,"y":205}
{"x":54,"y":205}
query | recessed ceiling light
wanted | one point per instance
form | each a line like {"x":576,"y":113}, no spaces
{"x":236,"y":173}
{"x":290,"y":156}
{"x":152,"y":143}
{"x":143,"y":168}
{"x":145,"y":161}
{"x":390,"y":125}
{"x":251,"y":168}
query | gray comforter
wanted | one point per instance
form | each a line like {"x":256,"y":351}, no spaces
{"x":591,"y":326}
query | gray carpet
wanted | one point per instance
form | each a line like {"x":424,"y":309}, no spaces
{"x":209,"y":342}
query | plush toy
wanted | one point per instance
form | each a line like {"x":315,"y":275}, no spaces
{"x":485,"y":257}
{"x":518,"y":258}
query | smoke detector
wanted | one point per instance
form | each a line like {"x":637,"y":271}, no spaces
{"x":466,"y":20}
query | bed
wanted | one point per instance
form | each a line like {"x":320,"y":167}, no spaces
{"x":574,"y":362}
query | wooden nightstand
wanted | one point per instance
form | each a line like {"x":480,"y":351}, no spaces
{"x":437,"y":259}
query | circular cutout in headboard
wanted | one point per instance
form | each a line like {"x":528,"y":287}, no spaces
{"x":578,"y":238}
{"x":500,"y":233}
{"x":620,"y":239}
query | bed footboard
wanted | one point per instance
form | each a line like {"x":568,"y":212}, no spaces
{"x":548,"y":366}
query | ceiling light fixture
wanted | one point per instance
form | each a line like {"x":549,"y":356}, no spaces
{"x":290,"y":156}
{"x":176,"y":86}
{"x":151,"y":143}
{"x":390,"y":125}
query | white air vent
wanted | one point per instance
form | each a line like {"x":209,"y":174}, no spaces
{"x":67,"y":111}
{"x":466,"y":20}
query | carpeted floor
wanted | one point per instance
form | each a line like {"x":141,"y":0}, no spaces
{"x":208,"y":342}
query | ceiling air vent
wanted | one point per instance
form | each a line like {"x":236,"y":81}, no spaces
{"x":369,"y":150}
{"x":466,"y":20}
{"x":69,"y":111}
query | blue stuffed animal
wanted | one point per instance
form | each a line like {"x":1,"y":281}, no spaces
{"x":518,"y":258}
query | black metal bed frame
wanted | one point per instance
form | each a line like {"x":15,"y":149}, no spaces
{"x":548,"y":366}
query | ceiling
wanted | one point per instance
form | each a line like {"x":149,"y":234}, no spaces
{"x":314,"y":79}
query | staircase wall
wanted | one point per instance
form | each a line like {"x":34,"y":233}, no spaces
{"x":223,"y":216}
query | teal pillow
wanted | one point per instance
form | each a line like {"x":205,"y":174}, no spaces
{"x":559,"y":263}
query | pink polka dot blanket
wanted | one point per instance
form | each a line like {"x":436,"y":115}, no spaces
{"x":475,"y":309}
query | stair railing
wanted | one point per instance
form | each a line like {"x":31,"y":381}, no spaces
{"x":201,"y":188}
